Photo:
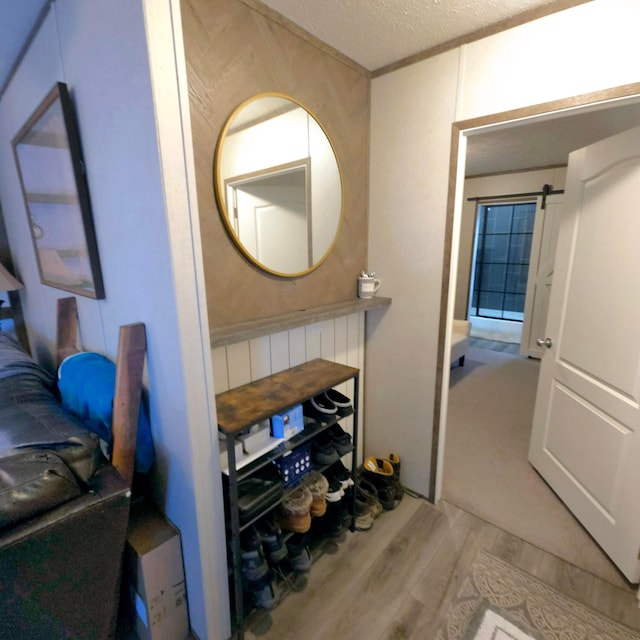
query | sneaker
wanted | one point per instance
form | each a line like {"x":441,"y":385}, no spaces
{"x":295,"y":512}
{"x":322,"y":450}
{"x":339,"y":400}
{"x":299,"y":556}
{"x":339,"y":471}
{"x":334,"y":491}
{"x":322,"y":404}
{"x":340,"y":439}
{"x":318,"y":485}
{"x":271,"y":540}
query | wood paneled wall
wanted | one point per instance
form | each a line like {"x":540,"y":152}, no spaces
{"x":339,"y":340}
{"x":233,"y":52}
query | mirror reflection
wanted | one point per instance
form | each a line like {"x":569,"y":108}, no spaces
{"x":278,"y":185}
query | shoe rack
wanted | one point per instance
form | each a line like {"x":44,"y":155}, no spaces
{"x":241,"y":408}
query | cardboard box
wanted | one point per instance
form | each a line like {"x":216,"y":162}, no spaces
{"x":288,"y":423}
{"x":155,"y":572}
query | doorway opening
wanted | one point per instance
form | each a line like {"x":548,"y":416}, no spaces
{"x":500,"y":267}
{"x":461,"y":136}
{"x":501,"y":260}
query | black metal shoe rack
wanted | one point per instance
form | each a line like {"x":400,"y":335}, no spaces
{"x":239,"y":409}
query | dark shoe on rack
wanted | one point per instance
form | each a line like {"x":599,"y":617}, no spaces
{"x":272,"y":542}
{"x":262,"y":593}
{"x":322,"y":404}
{"x":299,"y":556}
{"x":322,"y":450}
{"x":254,"y":564}
{"x":335,"y":492}
{"x":341,"y":473}
{"x":340,"y":439}
{"x":332,"y":523}
{"x":339,"y":400}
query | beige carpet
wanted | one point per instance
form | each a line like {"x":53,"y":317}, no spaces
{"x":486,"y":472}
{"x":499,"y":601}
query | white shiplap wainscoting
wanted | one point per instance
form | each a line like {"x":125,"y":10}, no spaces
{"x":338,"y":340}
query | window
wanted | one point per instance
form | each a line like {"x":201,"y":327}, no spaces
{"x":501,"y":266}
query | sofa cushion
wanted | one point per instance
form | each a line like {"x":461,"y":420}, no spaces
{"x":32,"y":482}
{"x":31,"y":416}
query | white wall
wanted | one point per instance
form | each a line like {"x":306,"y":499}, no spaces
{"x":412,"y":112}
{"x":339,"y":340}
{"x":99,"y":49}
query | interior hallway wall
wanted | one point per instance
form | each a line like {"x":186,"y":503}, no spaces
{"x":412,"y":112}
{"x":99,"y":49}
{"x":233,"y":52}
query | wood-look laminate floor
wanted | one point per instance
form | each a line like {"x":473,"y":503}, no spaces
{"x":397,"y":580}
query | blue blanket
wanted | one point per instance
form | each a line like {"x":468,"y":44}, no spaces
{"x":86,"y":382}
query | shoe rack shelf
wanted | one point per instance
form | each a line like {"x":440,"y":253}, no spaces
{"x":279,"y":447}
{"x":242,"y":407}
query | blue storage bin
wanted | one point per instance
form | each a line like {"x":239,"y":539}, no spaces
{"x":294,"y":465}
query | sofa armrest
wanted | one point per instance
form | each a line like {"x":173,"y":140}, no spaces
{"x":461,"y":326}
{"x":62,"y":568}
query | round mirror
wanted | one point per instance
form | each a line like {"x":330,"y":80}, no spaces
{"x":278,"y":185}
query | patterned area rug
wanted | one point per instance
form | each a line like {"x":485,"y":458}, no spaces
{"x":499,"y":602}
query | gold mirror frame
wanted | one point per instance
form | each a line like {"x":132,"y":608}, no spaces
{"x":248,"y":164}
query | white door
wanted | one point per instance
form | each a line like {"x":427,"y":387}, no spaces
{"x":586,"y":432}
{"x":540,"y":277}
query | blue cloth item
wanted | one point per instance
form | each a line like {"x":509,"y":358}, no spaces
{"x":87,"y":383}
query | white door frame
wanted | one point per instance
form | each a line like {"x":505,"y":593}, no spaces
{"x":460,"y":131}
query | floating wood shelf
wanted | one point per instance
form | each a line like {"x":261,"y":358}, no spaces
{"x":230,"y":334}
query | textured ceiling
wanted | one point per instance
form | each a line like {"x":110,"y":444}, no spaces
{"x":546,"y":143}
{"x":376,"y":33}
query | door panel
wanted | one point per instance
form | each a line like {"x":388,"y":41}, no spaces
{"x":606,"y":258}
{"x":586,"y":433}
{"x":594,"y":464}
{"x":540,"y":277}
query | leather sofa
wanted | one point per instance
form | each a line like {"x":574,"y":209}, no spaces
{"x":63,"y":513}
